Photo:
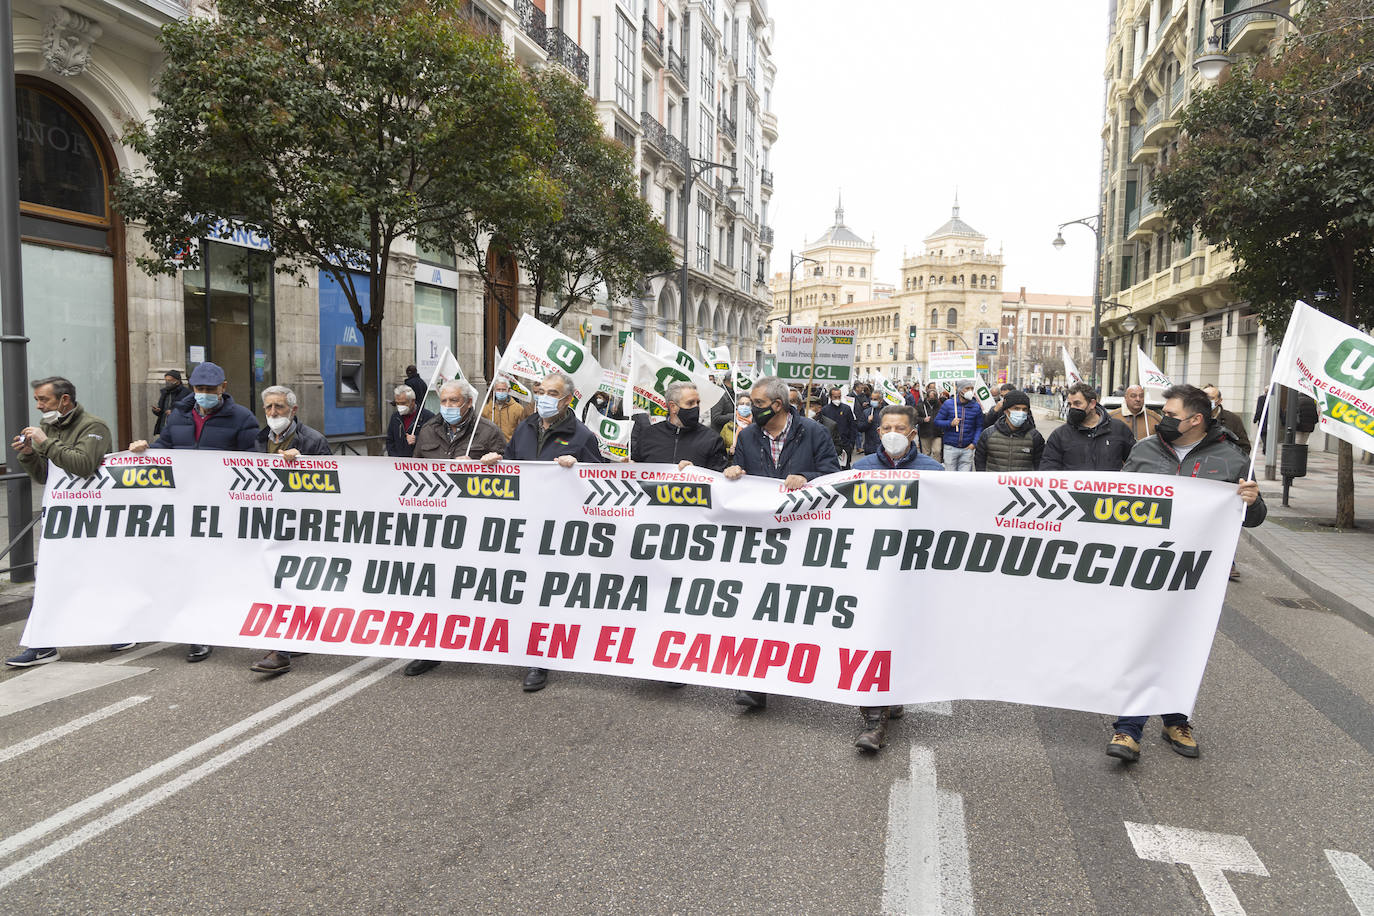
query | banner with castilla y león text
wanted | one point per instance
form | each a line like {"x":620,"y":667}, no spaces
{"x":1088,"y":591}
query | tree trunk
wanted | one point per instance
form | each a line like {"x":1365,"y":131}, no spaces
{"x":372,"y":386}
{"x":1345,"y":485}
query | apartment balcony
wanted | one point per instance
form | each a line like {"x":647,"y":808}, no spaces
{"x":1173,"y":287}
{"x":527,"y":40}
{"x":564,"y":50}
{"x":766,"y":179}
{"x":1139,"y":150}
{"x":484,"y":24}
{"x":658,"y":142}
{"x":1176,"y":94}
{"x":1158,"y":128}
{"x":727,"y":125}
{"x":677,"y":66}
{"x":766,"y":236}
{"x":653,"y":41}
{"x":1151,"y":215}
{"x":768,"y":122}
{"x":1248,"y":33}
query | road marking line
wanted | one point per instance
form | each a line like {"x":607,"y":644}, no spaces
{"x":12,"y":844}
{"x":121,"y":814}
{"x":926,"y":869}
{"x":56,"y":681}
{"x":1357,"y":877}
{"x":134,"y":654}
{"x":61,"y":731}
{"x":1208,"y":855}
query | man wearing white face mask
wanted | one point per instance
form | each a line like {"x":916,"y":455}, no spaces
{"x":897,"y":428}
{"x":405,"y":423}
{"x":451,"y":434}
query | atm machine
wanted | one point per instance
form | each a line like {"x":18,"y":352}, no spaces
{"x":342,"y":358}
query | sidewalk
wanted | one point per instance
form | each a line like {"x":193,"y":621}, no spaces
{"x":1330,"y":565}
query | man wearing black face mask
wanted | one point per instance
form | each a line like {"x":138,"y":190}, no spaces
{"x":682,"y":439}
{"x":1186,"y":443}
{"x":1090,"y":439}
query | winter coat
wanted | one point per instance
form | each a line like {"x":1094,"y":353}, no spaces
{"x":866,"y":425}
{"x":807,"y":451}
{"x":231,"y":428}
{"x":1237,"y":426}
{"x":396,"y":430}
{"x":666,"y":443}
{"x":970,"y":422}
{"x":1141,"y":425}
{"x":304,"y":439}
{"x":569,"y":436}
{"x":913,"y":460}
{"x":76,"y":443}
{"x":843,"y":418}
{"x":1003,"y":447}
{"x":1102,"y":448}
{"x":167,"y":399}
{"x":1217,"y":457}
{"x":419,"y":386}
{"x":509,"y":415}
{"x":1307,"y":414}
{"x":926,"y":410}
{"x":433,"y":439}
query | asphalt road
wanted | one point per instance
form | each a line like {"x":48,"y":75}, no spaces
{"x":345,"y":787}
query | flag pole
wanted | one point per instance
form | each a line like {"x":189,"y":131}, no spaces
{"x":1259,"y":437}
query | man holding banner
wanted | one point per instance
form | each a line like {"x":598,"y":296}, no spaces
{"x":784,"y":444}
{"x":682,"y":439}
{"x":1185,"y":444}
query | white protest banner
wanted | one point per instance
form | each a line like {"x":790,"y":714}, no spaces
{"x":613,"y":383}
{"x":745,"y":369}
{"x":950,"y":367}
{"x":822,"y":354}
{"x":535,"y":350}
{"x":1070,"y":369}
{"x":446,"y":369}
{"x":862,"y":588}
{"x":613,"y":435}
{"x":518,"y":390}
{"x":1334,"y":364}
{"x":704,"y":350}
{"x":889,"y":391}
{"x":1152,"y":378}
{"x":665,"y":347}
{"x":983,"y":393}
{"x":431,"y":348}
{"x":650,"y":376}
{"x":718,"y":361}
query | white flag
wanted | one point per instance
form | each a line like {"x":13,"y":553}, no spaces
{"x":1334,"y":364}
{"x":983,"y":393}
{"x":1070,"y":370}
{"x":665,"y":347}
{"x":535,"y":350}
{"x":889,"y":391}
{"x":650,"y":376}
{"x":516,"y":388}
{"x":613,"y":435}
{"x":718,"y":361}
{"x":446,"y":370}
{"x":1152,"y":378}
{"x":613,"y":383}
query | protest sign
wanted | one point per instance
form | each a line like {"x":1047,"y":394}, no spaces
{"x":867,"y":587}
{"x":821,"y":354}
{"x":950,"y":367}
{"x":535,"y":350}
{"x":649,"y":378}
{"x":1070,"y":368}
{"x":1152,"y":378}
{"x":1334,"y":364}
{"x":613,"y":435}
{"x":666,"y":348}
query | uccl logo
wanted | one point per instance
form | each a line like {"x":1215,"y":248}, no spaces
{"x":679,"y":494}
{"x":610,"y":430}
{"x":1352,"y":364}
{"x":566,"y":356}
{"x":1139,"y":511}
{"x":308,"y":481}
{"x":666,"y":376}
{"x":140,"y":478}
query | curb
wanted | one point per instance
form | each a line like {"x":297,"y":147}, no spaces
{"x":1352,"y":612}
{"x":15,"y":608}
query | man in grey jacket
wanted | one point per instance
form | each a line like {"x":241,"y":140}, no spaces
{"x":1186,"y":443}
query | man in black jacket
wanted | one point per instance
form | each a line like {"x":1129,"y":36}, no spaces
{"x":682,"y":439}
{"x":843,"y":417}
{"x":551,"y":433}
{"x":406,"y":422}
{"x":417,"y":385}
{"x":1090,"y":439}
{"x":172,"y":393}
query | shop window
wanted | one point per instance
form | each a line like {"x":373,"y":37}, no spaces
{"x":228,"y":308}
{"x":60,"y":169}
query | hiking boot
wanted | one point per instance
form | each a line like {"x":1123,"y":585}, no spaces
{"x":874,"y":735}
{"x":1180,"y":738}
{"x":1123,"y":747}
{"x":31,"y":657}
{"x":272,"y":663}
{"x":750,"y":699}
{"x":896,"y":712}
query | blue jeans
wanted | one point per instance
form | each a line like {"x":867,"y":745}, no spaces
{"x":958,"y":459}
{"x":1135,"y":725}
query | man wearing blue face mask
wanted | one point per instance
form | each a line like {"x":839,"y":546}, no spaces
{"x":208,"y":419}
{"x":553,"y":434}
{"x":451,"y":434}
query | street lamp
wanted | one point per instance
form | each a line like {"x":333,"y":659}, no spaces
{"x":1214,"y":64}
{"x":794,"y":260}
{"x":1094,"y":225}
{"x":694,"y":169}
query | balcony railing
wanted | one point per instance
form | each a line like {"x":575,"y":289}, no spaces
{"x":727,"y":123}
{"x":1163,"y":27}
{"x":532,"y":21}
{"x":1153,"y":114}
{"x":565,"y":51}
{"x":653,"y":37}
{"x":654,"y":132}
{"x":1137,"y":139}
{"x":1132,"y":221}
{"x":766,"y":178}
{"x":1237,"y":25}
{"x":766,"y":235}
{"x":1147,"y":206}
{"x":1176,"y":93}
{"x":677,"y":64}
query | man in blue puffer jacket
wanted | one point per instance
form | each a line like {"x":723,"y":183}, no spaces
{"x":960,"y":421}
{"x":208,"y":419}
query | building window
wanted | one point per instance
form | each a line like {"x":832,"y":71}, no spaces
{"x":439,"y":258}
{"x":851,"y":271}
{"x":1035,"y":325}
{"x":849,"y":298}
{"x":708,"y":71}
{"x":703,"y":235}
{"x":863,"y":272}
{"x":706,"y":136}
{"x":60,"y":170}
{"x":1061,"y":327}
{"x":952,"y":317}
{"x":624,"y":62}
{"x":227,"y":305}
{"x":1078,"y":326}
{"x":934,"y":317}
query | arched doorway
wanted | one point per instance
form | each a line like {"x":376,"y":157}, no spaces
{"x":75,"y":300}
{"x":501,"y":305}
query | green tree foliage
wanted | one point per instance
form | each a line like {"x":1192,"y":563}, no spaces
{"x":338,"y":127}
{"x":605,"y":234}
{"x":1278,"y":167}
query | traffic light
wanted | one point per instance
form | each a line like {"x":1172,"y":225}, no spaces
{"x":911,"y":332}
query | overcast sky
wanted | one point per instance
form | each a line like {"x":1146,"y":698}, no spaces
{"x":897,"y":102}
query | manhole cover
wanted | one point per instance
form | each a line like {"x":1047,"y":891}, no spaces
{"x":1306,"y":604}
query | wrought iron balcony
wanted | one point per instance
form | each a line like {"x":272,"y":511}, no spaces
{"x":766,"y":178}
{"x":766,"y":235}
{"x":677,"y":64}
{"x":653,"y":38}
{"x":654,"y":133}
{"x":562,"y":49}
{"x":727,"y":123}
{"x":532,"y":21}
{"x":1176,"y":93}
{"x":1153,"y":115}
{"x":1137,"y":140}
